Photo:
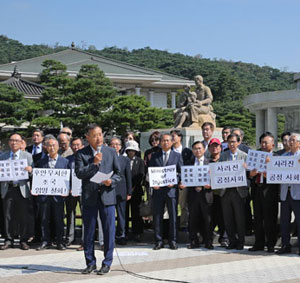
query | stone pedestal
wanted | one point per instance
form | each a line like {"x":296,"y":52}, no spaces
{"x":190,"y":135}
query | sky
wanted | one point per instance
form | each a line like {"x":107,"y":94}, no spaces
{"x":263,"y":32}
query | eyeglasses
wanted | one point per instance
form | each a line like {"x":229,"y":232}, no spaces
{"x":12,"y":140}
{"x":153,"y":140}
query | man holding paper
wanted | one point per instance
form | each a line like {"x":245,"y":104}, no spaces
{"x":290,"y":201}
{"x":265,"y":202}
{"x":200,"y":200}
{"x":98,"y":196}
{"x":165,"y":194}
{"x":233,"y":199}
{"x":52,"y":204}
{"x":16,"y":196}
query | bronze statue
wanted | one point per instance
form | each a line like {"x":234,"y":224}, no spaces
{"x":195,"y":107}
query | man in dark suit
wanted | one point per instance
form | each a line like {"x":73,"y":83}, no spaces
{"x":16,"y":196}
{"x":265,"y":204}
{"x":37,"y":139}
{"x":200,"y":200}
{"x":71,"y":200}
{"x":137,"y":167}
{"x":165,"y":195}
{"x":123,"y":191}
{"x":97,"y":197}
{"x":233,"y":199}
{"x":52,"y":205}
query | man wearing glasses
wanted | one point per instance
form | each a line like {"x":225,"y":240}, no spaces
{"x":16,"y":196}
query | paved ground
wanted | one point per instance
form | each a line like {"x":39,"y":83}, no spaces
{"x":182,"y":265}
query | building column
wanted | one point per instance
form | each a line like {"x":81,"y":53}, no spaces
{"x":151,"y":97}
{"x":173,"y":101}
{"x":259,"y":124}
{"x":271,"y":122}
{"x":138,"y":91}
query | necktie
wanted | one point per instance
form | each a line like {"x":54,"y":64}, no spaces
{"x":14,"y":156}
{"x":166,"y":155}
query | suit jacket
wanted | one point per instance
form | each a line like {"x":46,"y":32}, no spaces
{"x":124,"y":187}
{"x":294,"y":188}
{"x":225,"y":156}
{"x":174,"y":159}
{"x":85,"y":169}
{"x":192,"y":193}
{"x":61,"y":163}
{"x":24,"y":184}
{"x":137,"y":174}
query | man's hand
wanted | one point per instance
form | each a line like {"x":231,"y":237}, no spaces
{"x":170,"y":186}
{"x":253,"y":173}
{"x":107,"y":183}
{"x":181,"y":186}
{"x":97,"y":158}
{"x":128,"y":197}
{"x":156,"y":187}
{"x":207,"y":187}
{"x":28,"y":169}
{"x":198,"y":189}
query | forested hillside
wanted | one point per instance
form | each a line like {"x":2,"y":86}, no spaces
{"x":229,"y":81}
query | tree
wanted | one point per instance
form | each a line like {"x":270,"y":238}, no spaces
{"x":14,"y":108}
{"x":133,"y":112}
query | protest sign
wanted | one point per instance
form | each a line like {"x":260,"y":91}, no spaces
{"x":162,"y":176}
{"x":194,"y":176}
{"x":76,"y":184}
{"x":257,"y":160}
{"x":50,"y":181}
{"x":13,"y":170}
{"x":227,"y":174}
{"x":283,"y":170}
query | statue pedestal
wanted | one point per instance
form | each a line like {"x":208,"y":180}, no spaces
{"x":190,"y":135}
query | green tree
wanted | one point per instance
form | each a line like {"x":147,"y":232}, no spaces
{"x":14,"y":108}
{"x":135,"y":113}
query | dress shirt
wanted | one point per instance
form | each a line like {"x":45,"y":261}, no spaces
{"x":166,"y":156}
{"x":52,"y":162}
{"x":233,"y":156}
{"x":36,"y":149}
{"x":178,"y":149}
{"x":95,"y":151}
{"x":17,"y":155}
{"x":199,"y":162}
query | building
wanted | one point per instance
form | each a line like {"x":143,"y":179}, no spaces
{"x":268,"y":105}
{"x":128,"y":79}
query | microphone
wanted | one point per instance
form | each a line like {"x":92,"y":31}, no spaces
{"x":98,"y":149}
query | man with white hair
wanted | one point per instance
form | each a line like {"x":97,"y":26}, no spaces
{"x":290,"y":201}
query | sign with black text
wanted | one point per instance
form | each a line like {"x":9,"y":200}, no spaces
{"x":228,"y":174}
{"x":13,"y":170}
{"x":48,"y":181}
{"x":283,"y":170}
{"x":195,"y":176}
{"x":257,"y":160}
{"x":162,"y":176}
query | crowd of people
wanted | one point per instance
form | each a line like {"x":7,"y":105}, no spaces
{"x":199,"y":211}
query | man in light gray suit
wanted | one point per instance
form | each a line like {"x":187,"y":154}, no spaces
{"x":290,"y":201}
{"x":233,"y":199}
{"x":16,"y":196}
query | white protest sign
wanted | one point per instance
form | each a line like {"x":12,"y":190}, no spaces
{"x":227,"y":174}
{"x":13,"y":170}
{"x":48,"y":181}
{"x":162,"y":176}
{"x":257,"y":160}
{"x":76,"y":184}
{"x":194,"y":176}
{"x":283,"y":170}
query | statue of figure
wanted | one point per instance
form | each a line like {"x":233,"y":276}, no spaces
{"x":195,"y":105}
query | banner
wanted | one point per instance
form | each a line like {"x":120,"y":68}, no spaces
{"x":13,"y":170}
{"x":76,"y":184}
{"x":283,"y":170}
{"x":162,"y":176}
{"x":257,"y":160}
{"x":227,"y":174}
{"x":47,"y":181}
{"x":195,"y":176}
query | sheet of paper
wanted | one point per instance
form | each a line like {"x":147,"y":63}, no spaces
{"x":99,"y":177}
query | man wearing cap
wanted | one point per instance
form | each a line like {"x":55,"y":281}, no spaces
{"x":123,"y":191}
{"x":200,"y":200}
{"x":215,"y":148}
{"x":137,"y":167}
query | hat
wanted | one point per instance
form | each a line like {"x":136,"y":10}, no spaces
{"x":132,"y":145}
{"x":214,"y":140}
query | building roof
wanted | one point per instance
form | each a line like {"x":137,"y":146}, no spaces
{"x":74,"y":58}
{"x":30,"y":89}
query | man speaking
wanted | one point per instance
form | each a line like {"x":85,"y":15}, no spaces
{"x":97,"y":197}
